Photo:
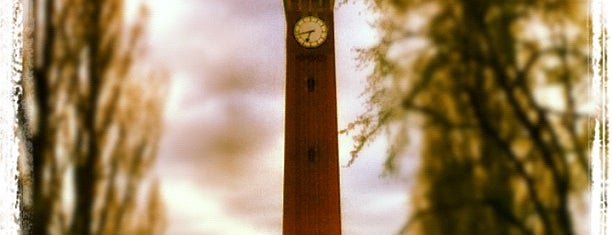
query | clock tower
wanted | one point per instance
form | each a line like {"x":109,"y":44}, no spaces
{"x":311,"y":197}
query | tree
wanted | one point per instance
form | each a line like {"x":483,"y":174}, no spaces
{"x":494,"y":90}
{"x":93,"y":120}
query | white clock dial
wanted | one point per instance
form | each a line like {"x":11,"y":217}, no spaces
{"x":310,"y":31}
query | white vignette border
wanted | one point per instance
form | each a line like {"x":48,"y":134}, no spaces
{"x":601,"y":94}
{"x":11,"y":45}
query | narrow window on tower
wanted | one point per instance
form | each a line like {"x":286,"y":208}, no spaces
{"x":312,"y":154}
{"x":310,"y":83}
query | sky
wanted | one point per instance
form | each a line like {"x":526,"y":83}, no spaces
{"x":221,"y":156}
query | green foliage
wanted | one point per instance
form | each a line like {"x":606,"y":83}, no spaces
{"x":495,"y":89}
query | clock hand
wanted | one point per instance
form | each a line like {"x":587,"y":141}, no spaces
{"x":307,"y":32}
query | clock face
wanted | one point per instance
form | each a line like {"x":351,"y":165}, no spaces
{"x":310,"y":31}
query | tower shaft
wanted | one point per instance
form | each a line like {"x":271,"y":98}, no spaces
{"x":311,"y":197}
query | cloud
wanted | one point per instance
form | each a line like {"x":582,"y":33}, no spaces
{"x":228,"y":75}
{"x":199,"y":212}
{"x":223,"y":134}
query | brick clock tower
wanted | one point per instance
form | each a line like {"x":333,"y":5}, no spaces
{"x":311,"y":197}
